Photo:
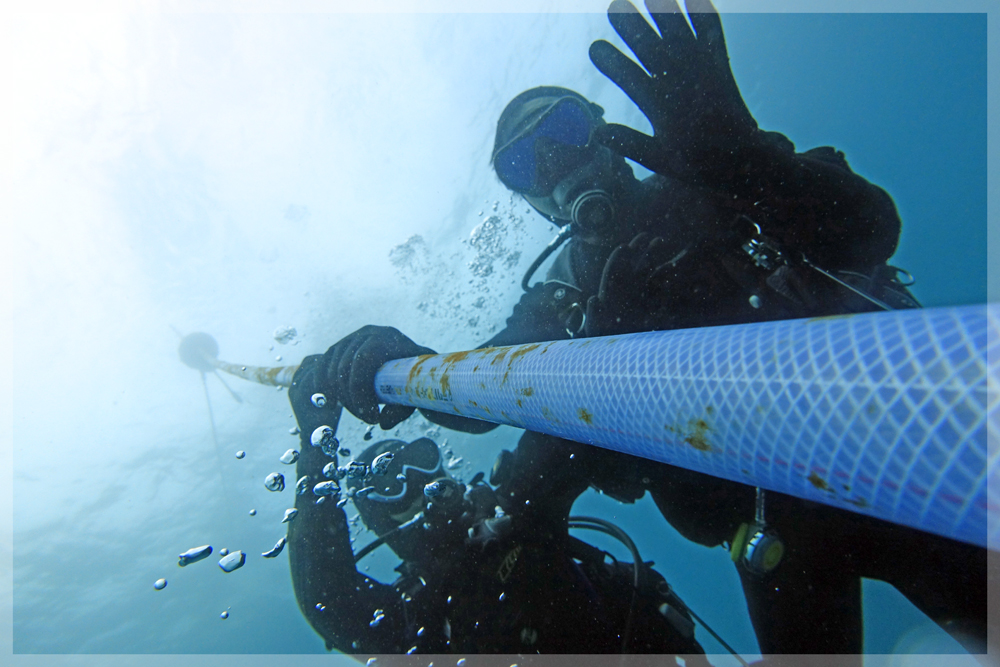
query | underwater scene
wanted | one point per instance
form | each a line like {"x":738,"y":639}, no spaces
{"x":210,"y":205}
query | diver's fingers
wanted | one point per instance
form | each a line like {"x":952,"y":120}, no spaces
{"x":670,"y":22}
{"x":708,"y":26}
{"x":625,"y":72}
{"x":392,"y":414}
{"x":367,"y":360}
{"x":611,"y":269}
{"x":634,"y":30}
{"x":632,"y":144}
{"x":639,"y":241}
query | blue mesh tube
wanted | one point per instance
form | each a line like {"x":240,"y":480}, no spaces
{"x":888,"y":414}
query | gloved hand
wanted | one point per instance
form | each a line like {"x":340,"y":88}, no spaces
{"x":701,"y":125}
{"x":349,"y":369}
{"x":632,"y":288}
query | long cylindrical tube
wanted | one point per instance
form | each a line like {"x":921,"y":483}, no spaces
{"x":888,"y":414}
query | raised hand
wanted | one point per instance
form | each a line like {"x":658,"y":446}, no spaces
{"x":684,"y":86}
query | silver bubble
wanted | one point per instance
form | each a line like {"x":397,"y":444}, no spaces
{"x":342,"y":502}
{"x":364,"y":492}
{"x":294,"y":430}
{"x":433,"y":489}
{"x":289,"y":515}
{"x":289,"y":457}
{"x":223,"y":551}
{"x":224,"y":615}
{"x":284,"y":334}
{"x":319,"y":400}
{"x":253,"y":512}
{"x":233,"y":561}
{"x":275,"y":482}
{"x":330,"y":470}
{"x":240,"y":454}
{"x":401,"y":477}
{"x":324,"y":437}
{"x":276,"y":550}
{"x":160,"y":584}
{"x":381,"y":463}
{"x":328,"y":488}
{"x":356,"y":469}
{"x":302,"y":485}
{"x":194,"y":555}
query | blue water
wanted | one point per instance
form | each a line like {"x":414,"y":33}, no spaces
{"x":234,"y":173}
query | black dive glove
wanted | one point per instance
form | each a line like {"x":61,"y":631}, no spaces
{"x":632,"y":288}
{"x":701,"y":126}
{"x":349,"y":367}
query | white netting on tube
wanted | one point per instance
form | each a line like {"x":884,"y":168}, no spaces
{"x":890,"y":414}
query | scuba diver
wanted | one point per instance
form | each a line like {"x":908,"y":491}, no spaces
{"x":479,"y":574}
{"x":734,"y":226}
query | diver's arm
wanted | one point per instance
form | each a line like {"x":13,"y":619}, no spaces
{"x":337,"y":600}
{"x":705,"y":136}
{"x":813,"y":200}
{"x":537,"y":317}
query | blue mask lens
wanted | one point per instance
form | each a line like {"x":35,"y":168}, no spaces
{"x":566,"y":123}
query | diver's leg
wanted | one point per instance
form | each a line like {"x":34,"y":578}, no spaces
{"x":808,"y":605}
{"x":944,"y":578}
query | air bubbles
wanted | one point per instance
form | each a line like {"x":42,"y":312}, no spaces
{"x":224,"y":615}
{"x":319,"y":400}
{"x":323,"y":436}
{"x":252,"y":512}
{"x":194,"y":555}
{"x":285,"y":334}
{"x":290,"y":515}
{"x":302,"y":485}
{"x":160,"y":584}
{"x":381,"y":463}
{"x":289,"y":457}
{"x":240,"y":454}
{"x":232,"y":562}
{"x":278,"y":547}
{"x":275,"y":482}
{"x":328,"y":488}
{"x":357,"y":470}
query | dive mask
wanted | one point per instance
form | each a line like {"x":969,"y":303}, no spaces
{"x":546,"y":149}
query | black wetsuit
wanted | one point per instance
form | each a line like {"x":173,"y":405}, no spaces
{"x":812,"y":205}
{"x":812,"y":602}
{"x":520,"y":585}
